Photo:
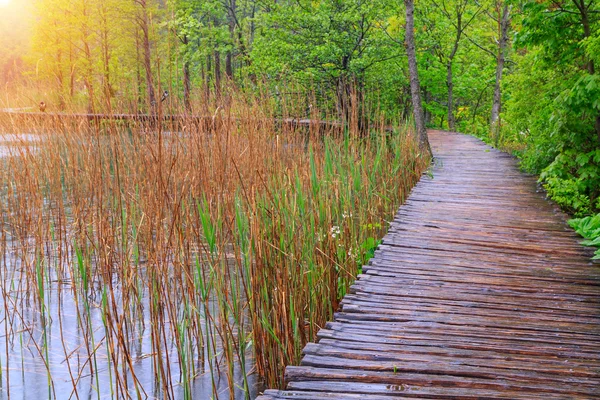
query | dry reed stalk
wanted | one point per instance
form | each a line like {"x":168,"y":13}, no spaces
{"x":208,"y":239}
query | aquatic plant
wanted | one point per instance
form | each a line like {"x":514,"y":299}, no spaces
{"x":215,"y":249}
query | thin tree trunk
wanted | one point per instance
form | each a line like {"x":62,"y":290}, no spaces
{"x":187,"y":80}
{"x":60,"y":79}
{"x":343,"y":99}
{"x":449,"y":74}
{"x":217,"y":56}
{"x":148,"y":68}
{"x":139,"y":101}
{"x":87,"y":52}
{"x":502,"y":45}
{"x":71,"y":81}
{"x":231,"y":21}
{"x":59,"y":71}
{"x":106,"y":56}
{"x":187,"y":86}
{"x":229,"y":65}
{"x":415,"y":86}
{"x":450,"y":85}
{"x":206,"y":75}
{"x":144,"y":25}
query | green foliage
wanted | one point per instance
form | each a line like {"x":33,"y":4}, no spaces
{"x":335,"y":49}
{"x":589,"y":228}
{"x":573,"y":180}
{"x":367,"y":250}
{"x":336,"y":56}
{"x":321,"y":40}
{"x":473,"y":69}
{"x":553,"y":102}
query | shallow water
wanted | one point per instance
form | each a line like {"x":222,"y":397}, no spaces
{"x":70,"y":366}
{"x":11,"y":143}
{"x":24,"y":371}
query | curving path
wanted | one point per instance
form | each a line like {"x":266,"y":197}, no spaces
{"x":480,"y":290}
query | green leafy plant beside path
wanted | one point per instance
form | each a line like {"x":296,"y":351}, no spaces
{"x":589,"y":228}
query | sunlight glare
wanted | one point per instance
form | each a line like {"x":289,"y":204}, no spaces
{"x":4,"y":3}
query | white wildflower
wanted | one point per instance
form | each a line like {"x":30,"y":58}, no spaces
{"x":335,"y":231}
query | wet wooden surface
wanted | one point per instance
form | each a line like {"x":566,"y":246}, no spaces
{"x":480,"y":290}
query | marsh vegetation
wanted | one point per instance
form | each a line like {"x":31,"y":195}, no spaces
{"x":181,"y":260}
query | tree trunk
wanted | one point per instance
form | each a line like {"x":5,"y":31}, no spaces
{"x":138,"y":63}
{"x":343,"y":99}
{"x":217,"y":56}
{"x":231,"y":21}
{"x":415,"y":86}
{"x":59,"y":79}
{"x":59,"y":69}
{"x":450,"y":85}
{"x":587,"y":31}
{"x":186,"y":86}
{"x":449,"y":76}
{"x":148,"y":68}
{"x":87,"y":52}
{"x":106,"y":57}
{"x":229,"y":65}
{"x":186,"y":80}
{"x":144,"y":25}
{"x":502,"y":45}
{"x":206,"y":75}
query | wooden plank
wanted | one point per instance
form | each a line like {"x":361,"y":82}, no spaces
{"x":23,"y":117}
{"x":480,"y":290}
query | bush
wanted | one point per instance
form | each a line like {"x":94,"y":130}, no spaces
{"x":589,"y":228}
{"x":573,"y":181}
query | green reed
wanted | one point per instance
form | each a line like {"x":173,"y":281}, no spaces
{"x":216,"y":240}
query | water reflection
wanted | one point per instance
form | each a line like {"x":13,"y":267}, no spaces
{"x":60,"y":350}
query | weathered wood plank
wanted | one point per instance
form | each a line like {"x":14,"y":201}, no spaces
{"x":23,"y":118}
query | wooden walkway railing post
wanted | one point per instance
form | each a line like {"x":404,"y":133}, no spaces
{"x":12,"y":119}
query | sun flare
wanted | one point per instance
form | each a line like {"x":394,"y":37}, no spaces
{"x":4,"y":3}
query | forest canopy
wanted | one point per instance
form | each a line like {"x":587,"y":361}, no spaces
{"x":522,"y":75}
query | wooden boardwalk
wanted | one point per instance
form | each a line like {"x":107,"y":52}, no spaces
{"x":479,"y":291}
{"x":18,"y":117}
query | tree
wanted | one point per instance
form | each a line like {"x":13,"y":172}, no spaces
{"x":186,"y":26}
{"x":561,"y":28}
{"x":554,"y":92}
{"x":491,"y":37}
{"x":503,"y":21}
{"x":143,"y":21}
{"x":331,"y":45}
{"x":459,"y":14}
{"x":415,"y":86}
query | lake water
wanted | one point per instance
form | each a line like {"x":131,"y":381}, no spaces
{"x":51,"y":356}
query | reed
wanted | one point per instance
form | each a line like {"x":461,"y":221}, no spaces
{"x":205,"y":249}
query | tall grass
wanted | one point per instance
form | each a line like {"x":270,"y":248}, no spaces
{"x":230,"y":242}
